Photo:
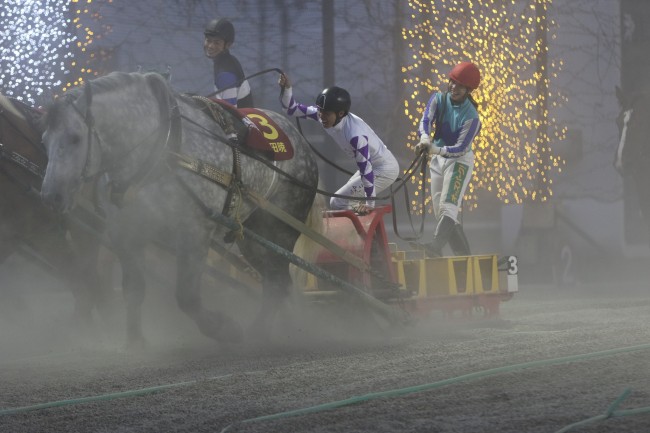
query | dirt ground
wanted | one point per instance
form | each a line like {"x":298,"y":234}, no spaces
{"x":554,"y":357}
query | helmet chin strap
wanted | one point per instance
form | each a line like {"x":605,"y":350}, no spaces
{"x":464,"y":97}
{"x":339,"y":118}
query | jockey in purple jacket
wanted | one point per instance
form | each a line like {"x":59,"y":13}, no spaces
{"x":377,"y":167}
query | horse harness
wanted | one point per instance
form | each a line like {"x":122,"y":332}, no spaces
{"x":19,"y":159}
{"x":245,"y":130}
{"x":232,"y":182}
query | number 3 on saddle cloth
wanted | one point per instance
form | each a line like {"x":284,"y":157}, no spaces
{"x":259,"y":132}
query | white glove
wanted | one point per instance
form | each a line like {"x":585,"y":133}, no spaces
{"x":435,"y":150}
{"x":362,"y":209}
{"x":424,"y":145}
{"x":284,"y":82}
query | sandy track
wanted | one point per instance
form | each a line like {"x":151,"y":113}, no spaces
{"x":354,"y":376}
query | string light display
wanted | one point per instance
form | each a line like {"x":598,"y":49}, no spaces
{"x":88,"y":63}
{"x":43,"y":46}
{"x":514,"y":162}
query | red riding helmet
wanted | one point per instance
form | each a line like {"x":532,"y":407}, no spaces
{"x":466,"y":74}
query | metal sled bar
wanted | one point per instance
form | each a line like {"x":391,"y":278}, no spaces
{"x":283,"y":216}
{"x":391,"y":314}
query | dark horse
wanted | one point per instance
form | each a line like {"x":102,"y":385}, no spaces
{"x":633,"y":151}
{"x":135,"y":131}
{"x":25,"y":222}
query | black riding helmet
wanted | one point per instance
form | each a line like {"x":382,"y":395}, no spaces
{"x":220,"y":28}
{"x":334,"y":99}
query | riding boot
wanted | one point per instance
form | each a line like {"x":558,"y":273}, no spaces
{"x":444,"y":230}
{"x":458,"y":242}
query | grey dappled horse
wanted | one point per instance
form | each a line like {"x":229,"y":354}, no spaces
{"x":24,"y":221}
{"x":633,"y":151}
{"x":126,"y":126}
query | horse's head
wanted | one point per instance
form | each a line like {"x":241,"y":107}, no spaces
{"x":114,"y":124}
{"x":67,"y":142}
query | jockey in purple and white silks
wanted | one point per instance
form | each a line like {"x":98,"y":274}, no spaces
{"x":456,"y":121}
{"x":377,"y":167}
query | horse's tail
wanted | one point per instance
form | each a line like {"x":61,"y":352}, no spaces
{"x":305,"y":247}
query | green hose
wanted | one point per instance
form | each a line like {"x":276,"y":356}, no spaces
{"x":426,"y":387}
{"x":103,"y":397}
{"x":610,"y":413}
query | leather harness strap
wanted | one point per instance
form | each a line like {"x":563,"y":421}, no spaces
{"x":224,"y":179}
{"x":223,"y":119}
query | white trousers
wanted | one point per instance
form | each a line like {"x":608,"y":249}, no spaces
{"x":449,"y":180}
{"x":385,"y":169}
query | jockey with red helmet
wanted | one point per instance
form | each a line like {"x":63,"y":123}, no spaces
{"x":456,"y":123}
{"x":377,"y":166}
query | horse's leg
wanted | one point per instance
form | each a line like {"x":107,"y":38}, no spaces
{"x":133,"y":286}
{"x":73,"y":268}
{"x":99,"y":291}
{"x":128,"y":243}
{"x":7,"y":245}
{"x":11,"y":299}
{"x":275,"y":286}
{"x":50,"y":242}
{"x":276,"y":280}
{"x":190,"y":258}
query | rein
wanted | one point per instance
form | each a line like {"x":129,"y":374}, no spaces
{"x":238,"y":83}
{"x":294,"y":180}
{"x":401,"y":182}
{"x":320,"y":155}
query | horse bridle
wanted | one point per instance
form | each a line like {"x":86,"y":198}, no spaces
{"x":89,"y":121}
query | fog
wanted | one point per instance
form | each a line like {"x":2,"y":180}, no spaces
{"x":584,"y":256}
{"x":590,"y":232}
{"x":592,"y":217}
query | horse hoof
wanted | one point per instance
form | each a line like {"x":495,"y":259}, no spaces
{"x":231,"y":331}
{"x":136,"y":344}
{"x":259,"y":332}
{"x":220,"y":327}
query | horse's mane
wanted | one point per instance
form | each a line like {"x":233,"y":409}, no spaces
{"x":106,"y":83}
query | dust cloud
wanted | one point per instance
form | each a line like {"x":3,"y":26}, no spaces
{"x":37,"y":316}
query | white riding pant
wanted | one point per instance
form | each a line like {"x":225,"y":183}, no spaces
{"x":385,"y":169}
{"x":449,"y":180}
